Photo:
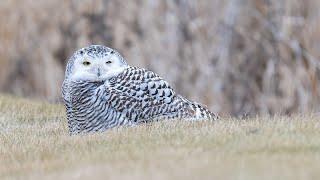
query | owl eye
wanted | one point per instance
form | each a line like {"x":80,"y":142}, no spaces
{"x":108,"y":62}
{"x":86,"y":63}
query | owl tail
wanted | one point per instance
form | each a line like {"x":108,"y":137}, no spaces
{"x":198,"y":111}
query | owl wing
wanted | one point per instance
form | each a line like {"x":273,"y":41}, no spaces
{"x":149,"y":93}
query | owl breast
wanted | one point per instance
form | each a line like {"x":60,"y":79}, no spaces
{"x":92,"y":108}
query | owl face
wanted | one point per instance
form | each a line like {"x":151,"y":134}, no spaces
{"x":96,"y":63}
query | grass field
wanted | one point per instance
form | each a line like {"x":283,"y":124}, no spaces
{"x":35,"y":144}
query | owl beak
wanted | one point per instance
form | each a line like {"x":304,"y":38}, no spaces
{"x":99,"y":72}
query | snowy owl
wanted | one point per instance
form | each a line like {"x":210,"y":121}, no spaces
{"x":101,"y":91}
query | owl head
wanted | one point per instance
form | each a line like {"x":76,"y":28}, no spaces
{"x":94,"y":63}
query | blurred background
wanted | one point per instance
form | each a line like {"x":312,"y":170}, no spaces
{"x":240,"y":57}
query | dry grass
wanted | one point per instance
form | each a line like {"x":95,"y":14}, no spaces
{"x":34,"y":144}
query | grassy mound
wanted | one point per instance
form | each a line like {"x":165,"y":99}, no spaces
{"x":34,"y":143}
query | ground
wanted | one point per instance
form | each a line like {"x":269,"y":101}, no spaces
{"x":35,"y":144}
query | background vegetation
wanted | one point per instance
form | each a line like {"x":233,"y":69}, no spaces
{"x":238,"y":56}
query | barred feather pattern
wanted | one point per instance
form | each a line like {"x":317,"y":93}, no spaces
{"x":132,"y":97}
